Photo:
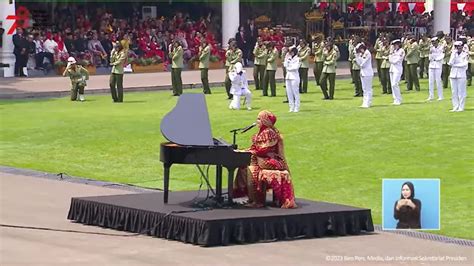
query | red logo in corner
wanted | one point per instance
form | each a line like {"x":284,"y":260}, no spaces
{"x":22,"y":18}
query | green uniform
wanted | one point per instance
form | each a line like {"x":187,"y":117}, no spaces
{"x":424,"y":47}
{"x":378,"y":47}
{"x":405,"y":67}
{"x":176,"y":66}
{"x":204,"y":54}
{"x":350,"y":48}
{"x":260,"y":55}
{"x":385,"y":70}
{"x":470,"y":44}
{"x":284,"y":52}
{"x":78,"y":80}
{"x":318,"y":60}
{"x":355,"y":74}
{"x":271,"y":68}
{"x":412,"y":57}
{"x":329,"y":72}
{"x":227,"y":82}
{"x":448,"y":47}
{"x":303,"y":54}
{"x":117,"y":61}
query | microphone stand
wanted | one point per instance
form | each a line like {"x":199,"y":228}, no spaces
{"x":234,"y":131}
{"x":243,"y":129}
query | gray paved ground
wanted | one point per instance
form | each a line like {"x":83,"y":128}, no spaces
{"x":41,"y":202}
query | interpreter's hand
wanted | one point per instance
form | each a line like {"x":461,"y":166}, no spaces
{"x":400,"y":203}
{"x":410,"y":203}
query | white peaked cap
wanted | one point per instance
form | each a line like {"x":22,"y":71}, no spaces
{"x":71,"y":60}
{"x":238,"y":67}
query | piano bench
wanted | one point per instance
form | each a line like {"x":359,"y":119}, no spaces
{"x":266,"y":177}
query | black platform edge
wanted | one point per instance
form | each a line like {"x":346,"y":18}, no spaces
{"x":220,"y":232}
{"x":82,"y":180}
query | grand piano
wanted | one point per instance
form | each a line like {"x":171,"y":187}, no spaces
{"x":188,"y":130}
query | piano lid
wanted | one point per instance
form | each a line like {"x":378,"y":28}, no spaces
{"x":188,"y":123}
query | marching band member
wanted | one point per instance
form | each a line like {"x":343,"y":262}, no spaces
{"x":330,"y":56}
{"x":203,"y":55}
{"x":118,"y":58}
{"x":436,"y":57}
{"x":396,"y":69}
{"x":424,"y":46}
{"x":355,"y":68}
{"x":412,"y":57}
{"x":176,"y":55}
{"x":458,"y":62}
{"x":447,"y":44}
{"x":318,"y":46}
{"x":303,"y":54}
{"x":260,"y":55}
{"x":385,"y":67}
{"x":78,"y":76}
{"x":292,"y":65}
{"x":363,"y":58}
{"x":271,"y":67}
{"x":240,"y":87}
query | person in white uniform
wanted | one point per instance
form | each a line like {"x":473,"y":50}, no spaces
{"x":292,"y":79}
{"x":240,"y":87}
{"x":364,"y":59}
{"x":436,"y":57}
{"x":458,"y":62}
{"x":397,"y":54}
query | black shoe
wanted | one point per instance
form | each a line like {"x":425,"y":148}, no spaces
{"x":357,"y":95}
{"x":229,"y":98}
{"x":285,"y":101}
{"x":325,"y":98}
{"x":175,"y":94}
{"x":384,"y":92}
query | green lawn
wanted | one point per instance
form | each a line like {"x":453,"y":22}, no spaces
{"x":337,"y":152}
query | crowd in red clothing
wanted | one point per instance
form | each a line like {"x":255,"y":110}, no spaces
{"x":90,"y":36}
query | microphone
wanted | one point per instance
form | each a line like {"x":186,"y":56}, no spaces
{"x":248,"y":127}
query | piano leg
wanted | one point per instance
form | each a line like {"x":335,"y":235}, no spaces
{"x":166,"y":181}
{"x":230,"y":185}
{"x":219,"y":183}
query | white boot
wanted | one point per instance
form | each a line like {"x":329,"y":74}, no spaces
{"x":81,"y":97}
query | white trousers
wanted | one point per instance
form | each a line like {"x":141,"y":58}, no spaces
{"x":293,"y":94}
{"x":235,"y":103}
{"x":458,"y":88}
{"x":395,"y":81}
{"x":434,"y":77}
{"x":367,"y":89}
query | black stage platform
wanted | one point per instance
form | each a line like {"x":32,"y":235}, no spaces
{"x":146,"y":213}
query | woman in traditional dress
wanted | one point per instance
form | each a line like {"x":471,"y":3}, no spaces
{"x":267,"y":165}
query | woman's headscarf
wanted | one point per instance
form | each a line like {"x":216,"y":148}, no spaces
{"x":412,"y":190}
{"x":267,"y":118}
